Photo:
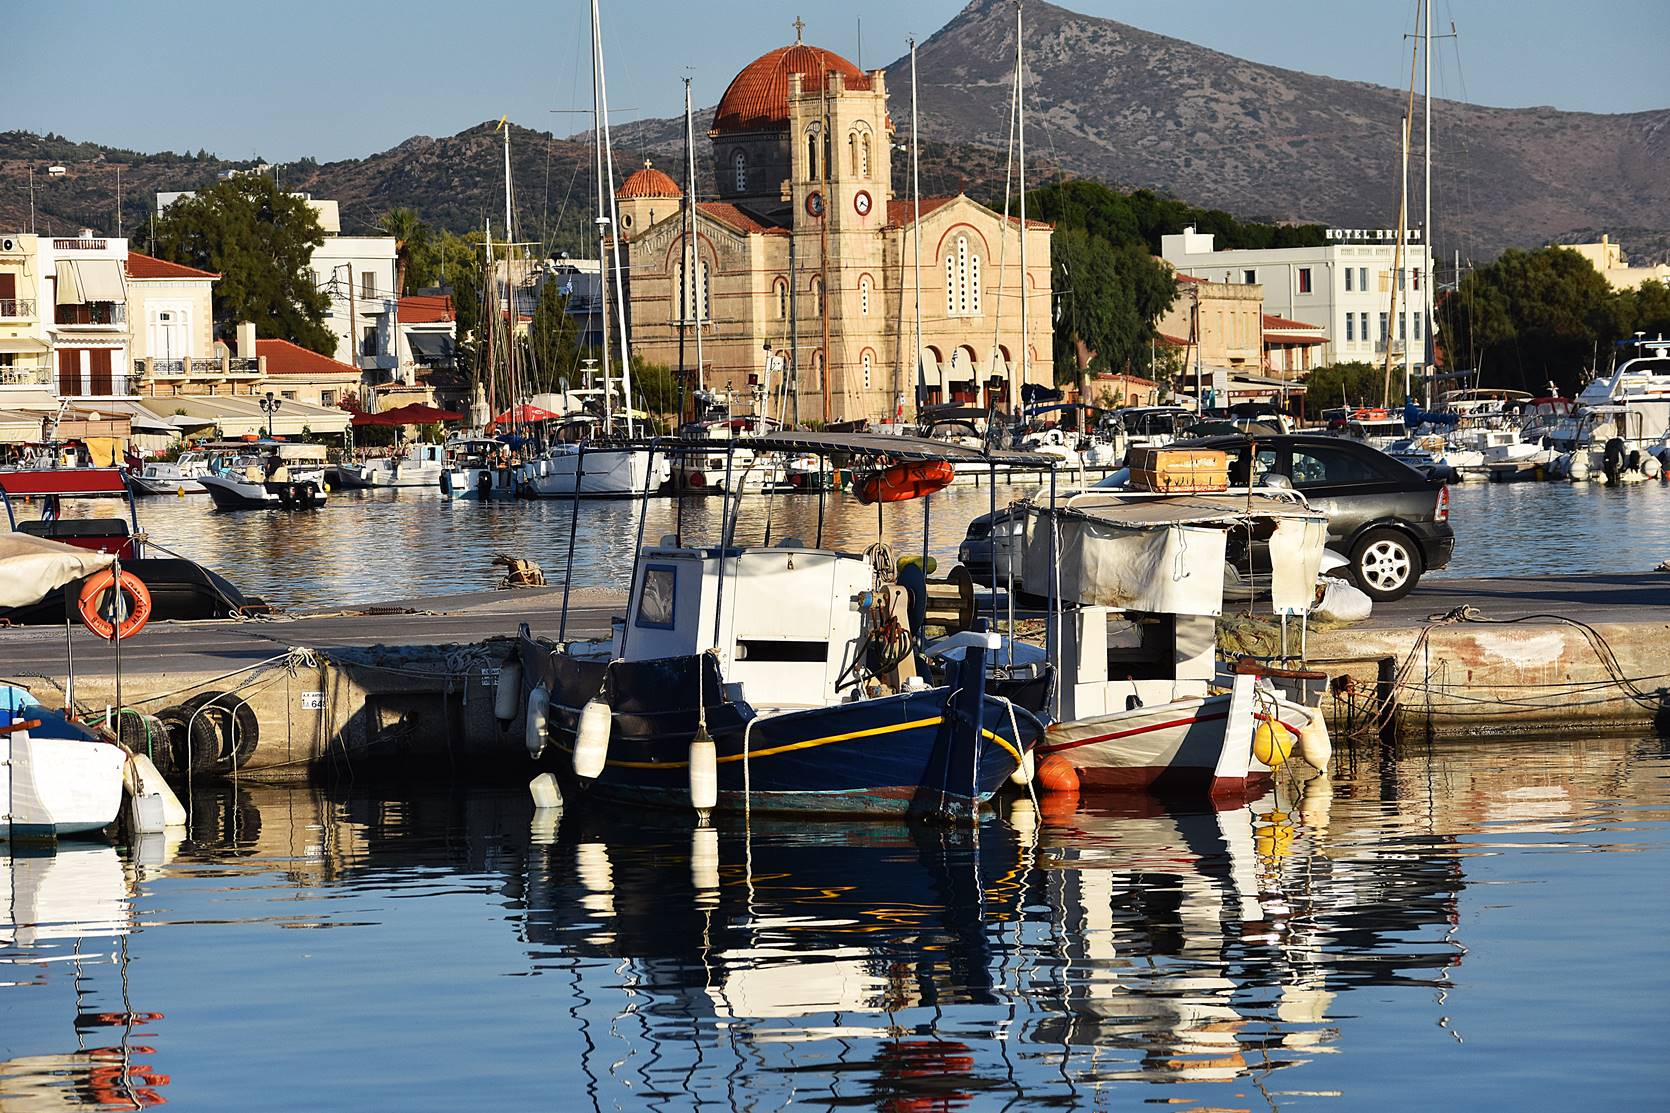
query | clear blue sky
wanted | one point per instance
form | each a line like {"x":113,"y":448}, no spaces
{"x":349,"y":77}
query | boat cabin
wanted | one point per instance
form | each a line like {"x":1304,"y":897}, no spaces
{"x":790,"y":619}
{"x":48,"y":488}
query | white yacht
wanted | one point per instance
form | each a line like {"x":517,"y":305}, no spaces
{"x":414,"y":465}
{"x":477,"y":468}
{"x":172,"y":477}
{"x":266,"y":474}
{"x":582,"y":462}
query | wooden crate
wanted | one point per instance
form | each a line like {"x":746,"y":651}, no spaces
{"x":1179,"y":469}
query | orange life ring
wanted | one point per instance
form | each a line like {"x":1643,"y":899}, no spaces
{"x":92,"y":596}
{"x":903,"y":482}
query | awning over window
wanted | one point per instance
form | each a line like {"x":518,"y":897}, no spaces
{"x":237,"y":415}
{"x":69,"y":283}
{"x":19,"y":428}
{"x":21,"y":344}
{"x":101,"y":280}
{"x":430,"y":347}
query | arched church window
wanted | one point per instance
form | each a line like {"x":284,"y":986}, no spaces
{"x":817,"y":296}
{"x":782,"y":289}
{"x":812,"y":153}
{"x":864,"y":296}
{"x":869,"y":359}
{"x":864,"y":155}
{"x":962,"y":280}
{"x":707,"y":294}
{"x":852,"y":151}
{"x":739,"y":169}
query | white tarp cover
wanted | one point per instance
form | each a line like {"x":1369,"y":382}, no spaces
{"x":237,"y":415}
{"x":1168,"y":568}
{"x":1295,"y":562}
{"x":31,"y":567}
{"x":19,"y":428}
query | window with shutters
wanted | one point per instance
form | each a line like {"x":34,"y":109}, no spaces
{"x":739,"y":170}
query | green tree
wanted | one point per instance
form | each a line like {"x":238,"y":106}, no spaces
{"x":1649,"y":308}
{"x":552,"y":346}
{"x":411,"y":239}
{"x":260,"y":241}
{"x":654,"y":387}
{"x":1345,"y":384}
{"x":1535,"y":317}
{"x":1108,"y":297}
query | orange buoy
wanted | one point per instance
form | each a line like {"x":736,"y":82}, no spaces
{"x":903,"y":482}
{"x":1058,"y":808}
{"x":1056,"y":774}
{"x":91,"y":600}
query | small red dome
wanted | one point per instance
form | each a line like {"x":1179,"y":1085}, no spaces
{"x":649,"y":182}
{"x":758,"y":97}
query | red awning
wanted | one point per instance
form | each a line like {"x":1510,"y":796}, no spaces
{"x":523,"y":414}
{"x":64,"y":481}
{"x":416,"y":413}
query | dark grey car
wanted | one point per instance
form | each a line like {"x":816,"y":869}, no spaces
{"x":1388,"y":519}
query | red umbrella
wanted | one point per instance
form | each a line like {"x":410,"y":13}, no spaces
{"x":416,"y":413}
{"x":523,"y":414}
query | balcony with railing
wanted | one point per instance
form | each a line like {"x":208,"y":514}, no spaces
{"x":80,"y":245}
{"x":25,"y":376}
{"x":234,"y":367}
{"x":92,"y":314}
{"x":17,"y":309}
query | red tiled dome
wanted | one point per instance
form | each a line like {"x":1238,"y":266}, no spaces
{"x":758,"y":97}
{"x":649,"y":182}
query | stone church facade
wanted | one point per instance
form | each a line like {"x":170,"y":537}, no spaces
{"x":805,"y":262}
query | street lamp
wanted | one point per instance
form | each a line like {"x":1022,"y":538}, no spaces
{"x":269,"y":406}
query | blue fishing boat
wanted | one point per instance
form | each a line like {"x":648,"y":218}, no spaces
{"x":786,"y":677}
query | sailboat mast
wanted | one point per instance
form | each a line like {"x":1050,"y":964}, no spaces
{"x":824,"y":371}
{"x":686,"y":227}
{"x":1426,"y":218}
{"x":601,"y":220}
{"x":1402,"y":233}
{"x":490,"y":311}
{"x":511,"y":385}
{"x":916,"y":235}
{"x":693,"y":267}
{"x":1020,"y":135}
{"x":613,"y":221}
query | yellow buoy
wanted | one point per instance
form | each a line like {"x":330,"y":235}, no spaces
{"x":1272,"y":743}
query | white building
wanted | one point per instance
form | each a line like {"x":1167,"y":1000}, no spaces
{"x":1344,"y":287}
{"x":85,"y":283}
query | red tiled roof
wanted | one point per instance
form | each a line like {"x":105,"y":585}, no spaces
{"x":757,"y":99}
{"x":421,"y":309}
{"x":732,"y":216}
{"x":285,"y":358}
{"x":144,"y":266}
{"x":1174,"y":341}
{"x":1282,"y":324}
{"x":1189,"y":278}
{"x":649,"y":182}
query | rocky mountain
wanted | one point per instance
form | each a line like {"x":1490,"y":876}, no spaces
{"x":1104,"y":100}
{"x":1134,"y":109}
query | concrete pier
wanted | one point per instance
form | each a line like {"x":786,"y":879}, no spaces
{"x":1512,"y":654}
{"x":412,"y":681}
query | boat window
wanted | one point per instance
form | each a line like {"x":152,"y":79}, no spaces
{"x":1317,"y":467}
{"x":655,"y":601}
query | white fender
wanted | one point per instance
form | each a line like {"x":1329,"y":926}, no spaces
{"x":704,"y":774}
{"x":591,"y":738}
{"x":1026,"y":770}
{"x":545,"y":791}
{"x":507,"y":697}
{"x":704,"y":857}
{"x":539,"y":714}
{"x":1314,"y":744}
{"x":141,"y":778}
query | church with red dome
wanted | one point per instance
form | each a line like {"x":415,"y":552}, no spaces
{"x":803,"y":264}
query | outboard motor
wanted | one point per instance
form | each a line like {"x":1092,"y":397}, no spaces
{"x":484,"y":485}
{"x":1612,"y":461}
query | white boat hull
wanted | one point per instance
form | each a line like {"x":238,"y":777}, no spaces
{"x":58,"y":786}
{"x":1201,"y":744}
{"x":379,"y":474}
{"x":623,"y":473}
{"x":231,"y":493}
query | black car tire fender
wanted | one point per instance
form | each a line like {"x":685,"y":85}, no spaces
{"x":1373,"y":563}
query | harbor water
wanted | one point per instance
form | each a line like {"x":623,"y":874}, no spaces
{"x":372,"y":546}
{"x":1480,"y":927}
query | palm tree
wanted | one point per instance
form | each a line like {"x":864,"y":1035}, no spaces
{"x":410,"y":233}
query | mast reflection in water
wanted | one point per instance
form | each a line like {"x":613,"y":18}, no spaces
{"x":1400,"y":935}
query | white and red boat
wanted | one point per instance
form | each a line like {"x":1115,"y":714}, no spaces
{"x":1143,"y":702}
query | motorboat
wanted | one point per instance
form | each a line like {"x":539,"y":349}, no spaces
{"x":1530,"y":453}
{"x":1609,"y":443}
{"x":479,"y":469}
{"x":266,"y":474}
{"x":783,"y":677}
{"x":413,"y":465}
{"x":583,"y":461}
{"x":176,"y":588}
{"x":57,"y":777}
{"x":172,"y":477}
{"x":1640,"y":383}
{"x":1140,"y":577}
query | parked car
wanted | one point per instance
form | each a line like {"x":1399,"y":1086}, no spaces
{"x":1389,"y":521}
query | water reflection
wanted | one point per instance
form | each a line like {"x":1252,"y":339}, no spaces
{"x":368,"y":546}
{"x":1315,"y":942}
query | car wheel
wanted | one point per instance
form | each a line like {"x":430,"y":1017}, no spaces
{"x":1385,"y":564}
